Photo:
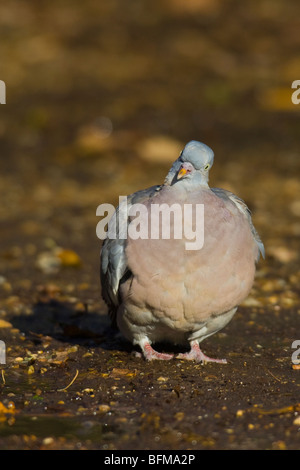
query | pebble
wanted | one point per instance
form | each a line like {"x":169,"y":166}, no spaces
{"x":5,"y":324}
{"x":295,"y":207}
{"x":251,"y":302}
{"x":104,"y":408}
{"x":48,"y":441}
{"x":273,"y":284}
{"x":297,"y":421}
{"x":279,"y":445}
{"x":51,"y":261}
{"x":68,"y":257}
{"x":48,"y":262}
{"x":30,"y":370}
{"x":159,"y":148}
{"x":162,"y":379}
{"x":283,"y":253}
{"x":19,"y":359}
{"x":95,"y":137}
{"x":179,"y":416}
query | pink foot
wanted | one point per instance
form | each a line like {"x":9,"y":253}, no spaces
{"x":195,"y":354}
{"x":150,"y":353}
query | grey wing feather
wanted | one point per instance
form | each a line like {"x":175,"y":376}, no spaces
{"x":113,"y":262}
{"x":242,"y":206}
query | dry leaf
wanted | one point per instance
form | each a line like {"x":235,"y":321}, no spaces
{"x":69,"y":258}
{"x":122,"y":372}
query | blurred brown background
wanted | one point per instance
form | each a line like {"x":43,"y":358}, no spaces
{"x":101,"y":98}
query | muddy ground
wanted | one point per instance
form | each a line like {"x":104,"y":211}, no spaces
{"x":100,"y":99}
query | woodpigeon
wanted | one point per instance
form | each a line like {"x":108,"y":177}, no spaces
{"x":156,"y":289}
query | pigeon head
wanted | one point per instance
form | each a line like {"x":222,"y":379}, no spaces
{"x":193,"y":165}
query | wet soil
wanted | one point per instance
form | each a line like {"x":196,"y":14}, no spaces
{"x":100,"y":99}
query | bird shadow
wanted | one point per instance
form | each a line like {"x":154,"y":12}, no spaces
{"x":89,"y":328}
{"x":61,"y":321}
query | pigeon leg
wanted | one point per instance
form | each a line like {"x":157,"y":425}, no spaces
{"x":195,"y":354}
{"x":150,"y":353}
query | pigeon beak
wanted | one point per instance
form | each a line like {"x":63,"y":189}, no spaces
{"x":182,"y":172}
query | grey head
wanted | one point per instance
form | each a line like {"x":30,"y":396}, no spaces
{"x":193,"y":165}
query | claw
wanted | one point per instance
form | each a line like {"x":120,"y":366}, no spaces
{"x":195,"y":354}
{"x":150,"y":353}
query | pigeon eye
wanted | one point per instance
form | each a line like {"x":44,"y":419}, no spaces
{"x":206,"y":167}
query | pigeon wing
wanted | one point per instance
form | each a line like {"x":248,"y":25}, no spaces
{"x":113,"y":262}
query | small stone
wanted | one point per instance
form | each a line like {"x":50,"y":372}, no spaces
{"x":273,"y":284}
{"x":283,"y":253}
{"x":5,"y":324}
{"x":80,"y":307}
{"x":273,"y":299}
{"x":48,"y":262}
{"x":179,"y":416}
{"x":82,"y":409}
{"x":48,"y":441}
{"x":88,"y":354}
{"x":229,"y":431}
{"x":7,"y":286}
{"x":95,"y":136}
{"x":122,"y":420}
{"x":162,"y":379}
{"x":279,"y":445}
{"x":30,"y":370}
{"x":47,"y":292}
{"x":251,"y":302}
{"x":19,"y":359}
{"x":68,"y":258}
{"x":104,"y":408}
{"x":159,"y":148}
{"x":297,"y":421}
{"x":295,"y":207}
{"x":121,"y":372}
